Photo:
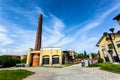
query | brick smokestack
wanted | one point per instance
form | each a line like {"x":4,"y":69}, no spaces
{"x":117,"y":18}
{"x":39,"y":33}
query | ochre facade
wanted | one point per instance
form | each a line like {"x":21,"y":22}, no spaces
{"x":105,"y":46}
{"x":44,"y":57}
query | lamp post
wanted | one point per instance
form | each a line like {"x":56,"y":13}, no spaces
{"x":108,"y":36}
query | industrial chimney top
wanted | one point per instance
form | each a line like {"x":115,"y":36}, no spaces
{"x":116,"y":17}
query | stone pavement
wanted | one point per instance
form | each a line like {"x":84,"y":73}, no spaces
{"x":40,"y":75}
{"x":74,"y":72}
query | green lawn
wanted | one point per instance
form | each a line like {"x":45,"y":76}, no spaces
{"x":69,"y":64}
{"x":108,"y":67}
{"x":14,"y":74}
{"x":64,"y":65}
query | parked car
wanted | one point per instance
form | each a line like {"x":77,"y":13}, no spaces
{"x":20,"y":65}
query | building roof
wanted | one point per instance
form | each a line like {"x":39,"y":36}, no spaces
{"x":104,"y":36}
{"x":116,"y":17}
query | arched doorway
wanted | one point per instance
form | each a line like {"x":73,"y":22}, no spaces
{"x":35,"y":60}
{"x":46,"y":60}
{"x":115,"y":57}
{"x":107,"y":58}
{"x":55,"y":59}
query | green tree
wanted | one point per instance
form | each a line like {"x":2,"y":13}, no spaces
{"x":81,"y":55}
{"x":24,"y":60}
{"x":85,"y":53}
{"x":94,"y":55}
{"x":8,"y":61}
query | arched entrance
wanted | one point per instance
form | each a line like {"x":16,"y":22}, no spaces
{"x":46,"y":60}
{"x":35,"y":60}
{"x":55,"y":59}
{"x":107,"y":58}
{"x":115,"y":57}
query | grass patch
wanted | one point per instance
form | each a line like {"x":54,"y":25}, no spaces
{"x":64,"y":65}
{"x":95,"y":65}
{"x":53,"y":66}
{"x":111,"y":67}
{"x":14,"y":74}
{"x":69,"y":64}
{"x":108,"y":67}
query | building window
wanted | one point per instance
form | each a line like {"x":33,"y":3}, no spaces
{"x":118,"y":44}
{"x":103,"y":48}
{"x":55,"y":59}
{"x":46,"y":60}
{"x":110,"y":46}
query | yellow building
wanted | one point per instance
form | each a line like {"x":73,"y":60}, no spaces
{"x":109,"y":47}
{"x":44,"y":57}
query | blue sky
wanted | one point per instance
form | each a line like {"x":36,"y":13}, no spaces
{"x":69,"y":24}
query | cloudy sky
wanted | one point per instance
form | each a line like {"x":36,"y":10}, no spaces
{"x":69,"y":24}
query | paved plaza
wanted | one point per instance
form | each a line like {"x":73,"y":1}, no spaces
{"x":74,"y":72}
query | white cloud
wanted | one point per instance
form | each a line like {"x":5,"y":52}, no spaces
{"x":53,"y":32}
{"x":15,"y":40}
{"x":2,"y":29}
{"x":5,"y":40}
{"x":106,"y":13}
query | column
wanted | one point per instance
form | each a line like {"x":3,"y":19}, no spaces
{"x":60,"y":58}
{"x":41,"y":58}
{"x":28,"y":59}
{"x":50,"y":57}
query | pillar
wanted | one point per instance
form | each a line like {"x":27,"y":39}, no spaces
{"x":50,"y":57}
{"x":41,"y":58}
{"x":60,"y":58}
{"x":28,"y":59}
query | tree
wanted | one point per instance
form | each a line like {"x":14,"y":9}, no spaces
{"x":85,"y":53}
{"x":81,"y":55}
{"x":94,"y":55}
{"x":8,"y":61}
{"x":24,"y":60}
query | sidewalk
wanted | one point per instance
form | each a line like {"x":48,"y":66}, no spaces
{"x":40,"y":75}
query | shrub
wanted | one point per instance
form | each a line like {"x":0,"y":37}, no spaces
{"x":8,"y":61}
{"x":100,"y":60}
{"x":95,"y":65}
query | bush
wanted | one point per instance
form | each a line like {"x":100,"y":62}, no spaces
{"x":8,"y":61}
{"x":95,"y":65}
{"x":100,"y":60}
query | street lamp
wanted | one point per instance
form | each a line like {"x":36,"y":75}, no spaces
{"x":108,"y":37}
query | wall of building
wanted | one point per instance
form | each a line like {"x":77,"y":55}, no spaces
{"x":103,"y":47}
{"x":44,"y":54}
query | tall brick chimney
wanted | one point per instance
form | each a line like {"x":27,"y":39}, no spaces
{"x":39,"y":34}
{"x":117,"y":18}
{"x":36,"y":56}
